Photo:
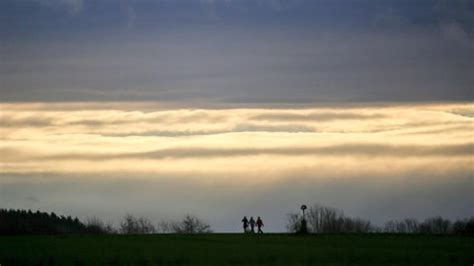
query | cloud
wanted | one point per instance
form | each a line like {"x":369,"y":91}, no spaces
{"x":440,"y":130}
{"x":327,"y":58}
{"x":129,"y":137}
{"x":463,"y":112}
{"x":372,"y":150}
{"x":455,"y":32}
{"x":130,"y":14}
{"x":98,"y":123}
{"x":350,"y":149}
{"x":322,"y":116}
{"x":31,"y":121}
{"x":249,"y":127}
{"x":391,"y":18}
{"x":32,"y":199}
{"x":168,"y":133}
{"x":291,"y":128}
{"x":71,"y":6}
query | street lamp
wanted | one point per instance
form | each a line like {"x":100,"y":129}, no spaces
{"x":303,"y":208}
{"x":304,"y":228}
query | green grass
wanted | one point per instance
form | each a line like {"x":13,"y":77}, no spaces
{"x":237,"y":249}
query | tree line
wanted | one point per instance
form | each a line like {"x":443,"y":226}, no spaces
{"x":319,"y":219}
{"x":22,"y":222}
{"x":322,"y":219}
{"x":13,"y":222}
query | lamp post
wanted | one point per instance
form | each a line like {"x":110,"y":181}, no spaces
{"x":304,"y":228}
{"x":303,"y":208}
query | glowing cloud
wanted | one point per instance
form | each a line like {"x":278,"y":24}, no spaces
{"x":38,"y":138}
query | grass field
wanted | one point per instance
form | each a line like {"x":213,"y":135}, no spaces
{"x":237,"y":249}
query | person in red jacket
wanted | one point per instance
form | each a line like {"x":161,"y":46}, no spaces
{"x":259,"y":225}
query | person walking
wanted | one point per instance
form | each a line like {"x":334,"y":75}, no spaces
{"x":245,"y":223}
{"x":252,"y":225}
{"x":259,"y":225}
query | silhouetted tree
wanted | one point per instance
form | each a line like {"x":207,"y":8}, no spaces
{"x":145,"y":226}
{"x":14,"y":222}
{"x":406,"y":226}
{"x":189,"y":224}
{"x":356,"y":225}
{"x":132,"y":225}
{"x":294,"y":222}
{"x":323,"y":219}
{"x":96,"y":226}
{"x":435,"y":225}
{"x":165,"y":227}
{"x":464,"y":227}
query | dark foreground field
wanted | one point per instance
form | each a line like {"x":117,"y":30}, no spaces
{"x":236,"y":249}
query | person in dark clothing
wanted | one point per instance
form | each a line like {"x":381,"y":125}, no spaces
{"x":252,"y":225}
{"x":245,"y":223}
{"x":259,"y":225}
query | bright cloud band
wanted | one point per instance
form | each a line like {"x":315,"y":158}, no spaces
{"x":134,"y":137}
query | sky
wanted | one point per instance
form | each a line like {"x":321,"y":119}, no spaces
{"x":225,"y":108}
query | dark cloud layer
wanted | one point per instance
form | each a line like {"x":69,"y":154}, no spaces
{"x":237,"y":51}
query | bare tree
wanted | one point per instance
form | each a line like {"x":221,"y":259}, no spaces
{"x":109,"y":228}
{"x":356,"y":225}
{"x":145,"y":226}
{"x":132,"y":225}
{"x":165,"y":227}
{"x":128,"y":225}
{"x":435,"y":225}
{"x":294,"y":222}
{"x":323,"y":219}
{"x":95,"y":226}
{"x":189,"y":224}
{"x":464,"y":227}
{"x":405,"y":226}
{"x":390,"y":227}
{"x":411,"y":225}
